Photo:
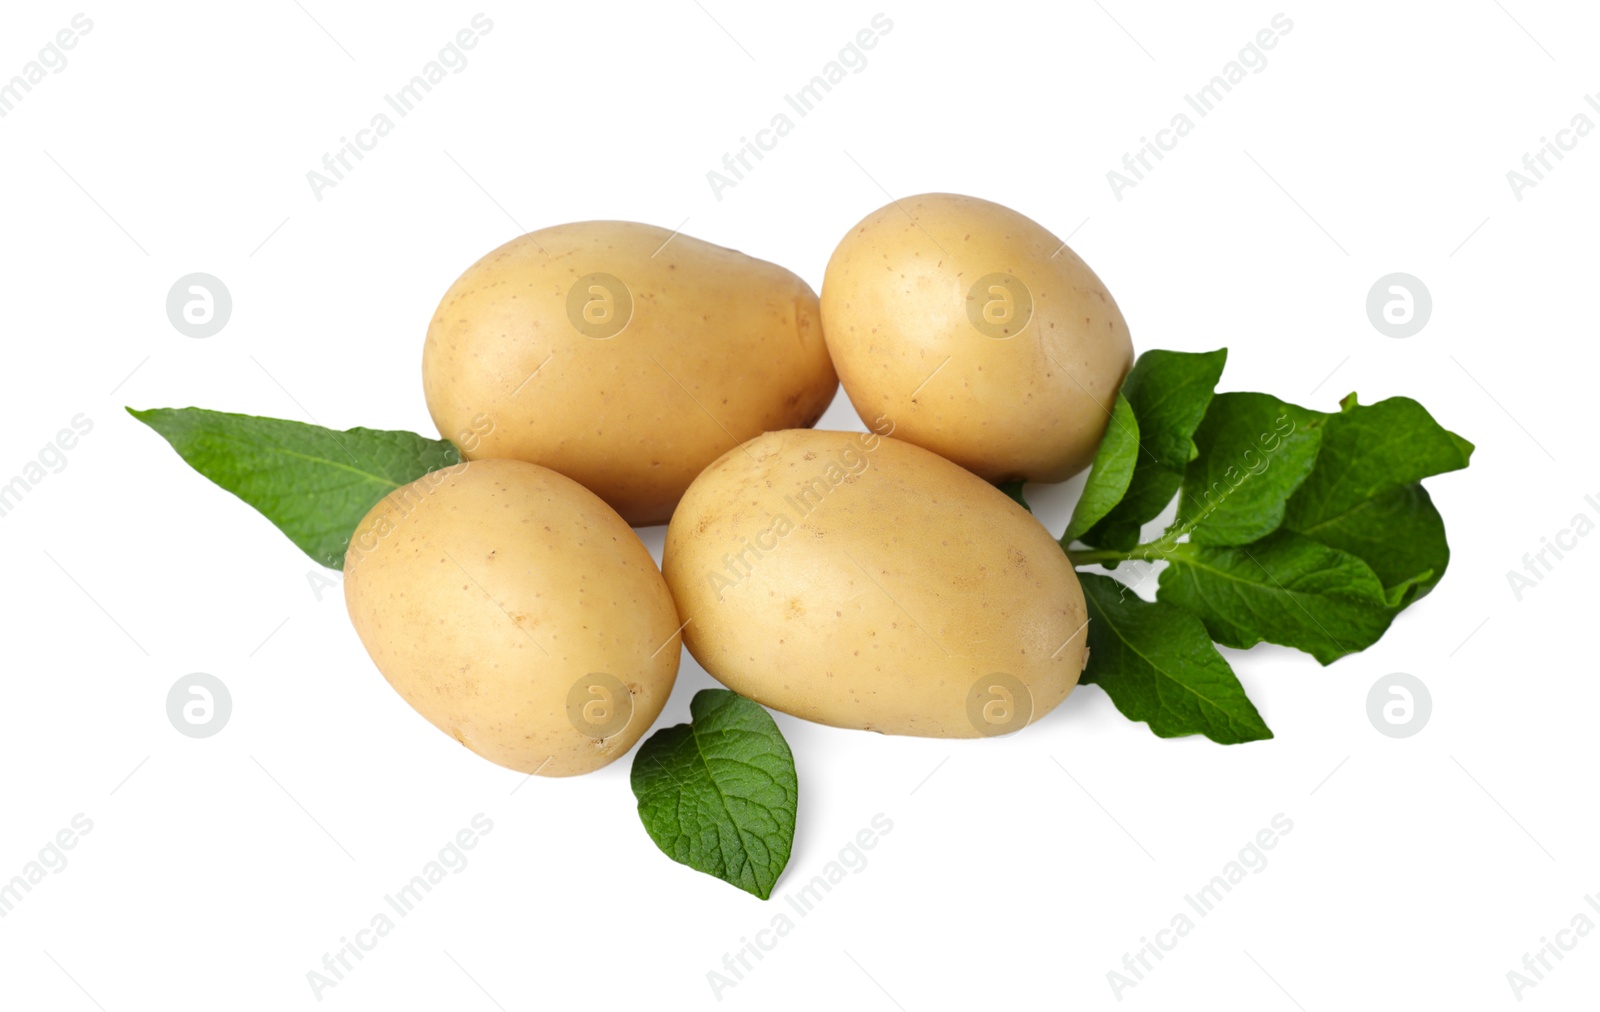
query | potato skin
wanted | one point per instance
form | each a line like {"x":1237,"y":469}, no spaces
{"x":904,"y":296}
{"x":486,"y":591}
{"x":714,"y":347}
{"x":863,"y":582}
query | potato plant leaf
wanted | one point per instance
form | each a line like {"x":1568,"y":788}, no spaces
{"x":1113,"y":470}
{"x":1398,"y":533}
{"x":1255,"y":451}
{"x":1364,"y":495}
{"x":1168,"y":392}
{"x":719,"y":794}
{"x":1157,"y":663}
{"x":314,"y":484}
{"x":1285,"y":589}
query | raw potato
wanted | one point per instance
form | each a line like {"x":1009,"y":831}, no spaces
{"x":863,"y":582}
{"x":517,"y":612}
{"x":979,"y":333}
{"x":625,"y":356}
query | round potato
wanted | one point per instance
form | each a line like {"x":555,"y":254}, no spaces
{"x":625,"y":356}
{"x":517,"y":612}
{"x":982,"y":335}
{"x":860,"y":581}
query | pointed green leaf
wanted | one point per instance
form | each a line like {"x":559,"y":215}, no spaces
{"x":1158,"y":664}
{"x":1399,"y":534}
{"x":1363,"y":495}
{"x":1149,"y":492}
{"x":314,"y":483}
{"x":1113,"y":469}
{"x":1367,"y":451}
{"x":1286,"y":589}
{"x":1168,"y":392}
{"x":1255,"y":450}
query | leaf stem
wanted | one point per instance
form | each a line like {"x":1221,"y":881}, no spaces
{"x":1095,"y":557}
{"x":1165,"y":547}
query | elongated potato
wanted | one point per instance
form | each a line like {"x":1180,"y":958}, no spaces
{"x":982,"y":335}
{"x":863,"y":582}
{"x":625,"y":356}
{"x":517,"y":613}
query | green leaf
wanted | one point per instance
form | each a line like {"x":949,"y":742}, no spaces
{"x":1113,"y":469}
{"x":1399,"y":534}
{"x":1286,"y":589}
{"x":1362,"y":496}
{"x":1014,"y":490}
{"x":1157,"y":663}
{"x":1150,"y":491}
{"x":719,"y":794}
{"x":1168,"y":392}
{"x":1368,"y":450}
{"x":1255,"y":450}
{"x":315,"y":484}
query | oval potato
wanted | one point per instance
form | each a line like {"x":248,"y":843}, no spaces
{"x":863,"y":582}
{"x":517,"y":613}
{"x":981,"y":334}
{"x":625,"y":356}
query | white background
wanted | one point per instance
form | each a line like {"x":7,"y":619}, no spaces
{"x":219,"y":871}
